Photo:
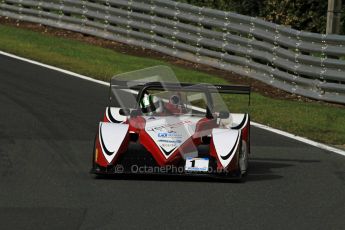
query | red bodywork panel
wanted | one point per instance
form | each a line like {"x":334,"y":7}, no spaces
{"x":203,"y":128}
{"x":99,"y":157}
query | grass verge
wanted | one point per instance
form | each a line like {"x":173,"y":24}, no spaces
{"x":317,"y":121}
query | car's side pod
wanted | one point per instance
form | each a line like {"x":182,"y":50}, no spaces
{"x":226,"y":142}
{"x":224,"y":145}
{"x":239,"y":120}
{"x":242,"y":122}
{"x":112,"y":140}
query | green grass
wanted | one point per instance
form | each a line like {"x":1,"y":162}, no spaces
{"x":317,"y":121}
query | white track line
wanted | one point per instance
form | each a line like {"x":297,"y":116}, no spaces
{"x":277,"y":131}
{"x":54,"y":68}
{"x":298,"y":138}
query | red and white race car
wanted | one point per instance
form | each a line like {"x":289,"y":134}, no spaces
{"x":156,"y":125}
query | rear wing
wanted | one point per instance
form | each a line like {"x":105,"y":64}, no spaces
{"x":142,"y":86}
{"x":137,"y":85}
{"x":232,"y":89}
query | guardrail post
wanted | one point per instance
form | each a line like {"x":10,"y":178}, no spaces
{"x":225,"y":33}
{"x":274,"y":55}
{"x":129,"y":21}
{"x":297,"y":65}
{"x":152,"y":24}
{"x":323,"y":57}
{"x":20,"y":8}
{"x":249,"y":49}
{"x":199,"y":33}
{"x":333,"y":17}
{"x":61,"y":14}
{"x":83,"y":15}
{"x":106,"y":18}
{"x":175,"y":29}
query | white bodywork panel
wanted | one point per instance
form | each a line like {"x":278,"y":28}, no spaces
{"x":225,"y":123}
{"x":233,"y":120}
{"x":170,"y":132}
{"x":226,"y":142}
{"x":115,"y":113}
{"x":237,"y":118}
{"x":111,"y":136}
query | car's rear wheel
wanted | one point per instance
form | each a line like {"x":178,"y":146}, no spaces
{"x":243,"y":159}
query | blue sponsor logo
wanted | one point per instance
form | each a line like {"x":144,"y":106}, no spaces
{"x":162,"y":135}
{"x":170,"y":134}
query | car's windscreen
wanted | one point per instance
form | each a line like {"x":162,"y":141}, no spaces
{"x":163,"y":100}
{"x":173,"y":102}
{"x":124,"y":87}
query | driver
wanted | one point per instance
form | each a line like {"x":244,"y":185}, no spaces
{"x":150,"y":104}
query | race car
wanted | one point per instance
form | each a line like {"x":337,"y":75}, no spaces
{"x":156,"y":125}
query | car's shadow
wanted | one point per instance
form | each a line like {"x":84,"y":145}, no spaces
{"x":163,"y":178}
{"x":261,"y":169}
{"x":265,"y":168}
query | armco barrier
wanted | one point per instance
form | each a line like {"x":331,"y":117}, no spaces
{"x":308,"y":64}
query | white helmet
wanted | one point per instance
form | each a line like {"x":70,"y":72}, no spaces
{"x":150,"y":104}
{"x":158,"y":104}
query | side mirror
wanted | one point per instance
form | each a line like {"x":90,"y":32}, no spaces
{"x":124,"y":112}
{"x":175,"y":100}
{"x":224,"y":114}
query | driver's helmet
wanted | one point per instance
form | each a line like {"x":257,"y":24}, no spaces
{"x":150,"y":104}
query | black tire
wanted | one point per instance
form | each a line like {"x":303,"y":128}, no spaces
{"x":243,"y":162}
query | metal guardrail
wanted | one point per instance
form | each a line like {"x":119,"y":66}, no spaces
{"x":308,"y":64}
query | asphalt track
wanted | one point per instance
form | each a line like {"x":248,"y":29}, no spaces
{"x":48,"y":122}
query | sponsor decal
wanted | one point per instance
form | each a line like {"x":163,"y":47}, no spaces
{"x":168,"y":145}
{"x":170,"y":134}
{"x":164,"y":128}
{"x":170,"y":141}
{"x":162,"y":134}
